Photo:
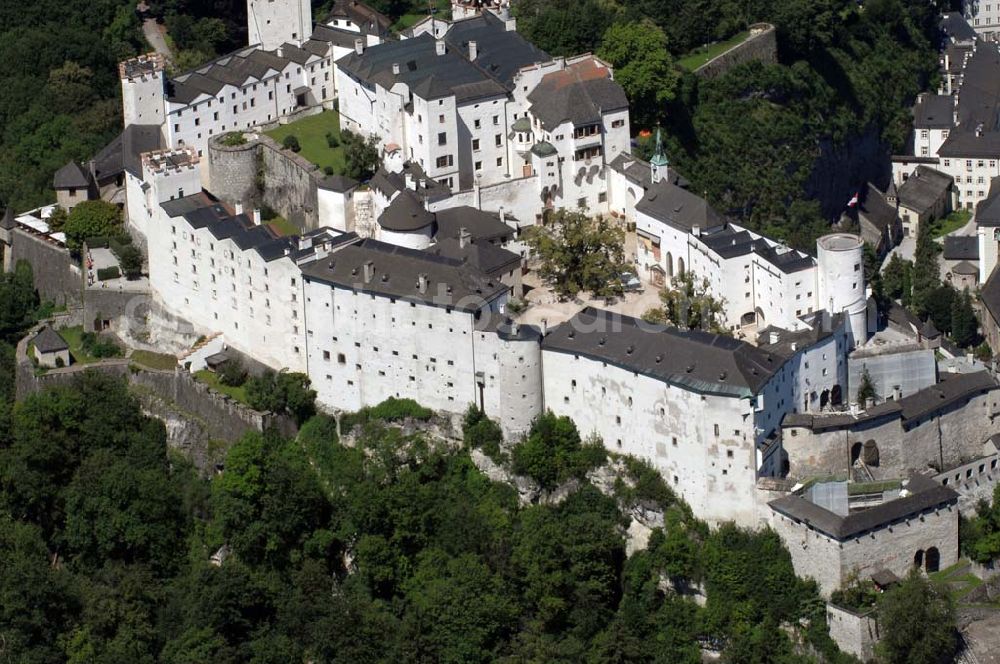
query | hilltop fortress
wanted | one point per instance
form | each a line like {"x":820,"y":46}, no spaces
{"x":401,"y":286}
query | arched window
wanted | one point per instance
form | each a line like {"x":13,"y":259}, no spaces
{"x":856,"y":450}
{"x":871,"y":453}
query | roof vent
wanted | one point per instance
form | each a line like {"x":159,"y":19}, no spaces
{"x":659,"y":358}
{"x":722,"y":376}
{"x":689,"y":368}
{"x":571,"y":334}
{"x":601,"y":341}
{"x":630,"y":350}
{"x":385,"y":277}
{"x":354,"y":272}
{"x":439,"y":47}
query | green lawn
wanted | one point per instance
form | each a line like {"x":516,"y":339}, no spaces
{"x":701,"y":55}
{"x":284,"y":227}
{"x":951,"y":223}
{"x":418,"y":12}
{"x":74,"y":337}
{"x":311,"y":132}
{"x":212,"y":380}
{"x":162,"y":361}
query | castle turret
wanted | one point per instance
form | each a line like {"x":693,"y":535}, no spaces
{"x":271,"y":23}
{"x":841,"y":266}
{"x":143,"y":90}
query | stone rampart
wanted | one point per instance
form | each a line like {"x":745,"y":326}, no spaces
{"x":201,"y":422}
{"x":57,"y":276}
{"x":259,"y":172}
{"x":761,"y":46}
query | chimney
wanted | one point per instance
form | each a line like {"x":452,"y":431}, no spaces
{"x":510,"y":24}
{"x":423,"y":183}
{"x":473,"y":50}
{"x":825,"y":320}
{"x":410,"y":183}
{"x":422,"y":283}
{"x":464,"y":237}
{"x":395,"y":69}
{"x":545,"y":326}
{"x":359,"y":46}
{"x":439,"y":47}
{"x":897,"y":392}
{"x":503,"y":216}
{"x":256,"y":216}
{"x":239,"y":208}
{"x":514,"y":328}
{"x":774,"y":337}
{"x":369,"y":271}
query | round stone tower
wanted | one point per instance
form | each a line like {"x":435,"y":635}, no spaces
{"x":519,"y":356}
{"x":841,"y":288}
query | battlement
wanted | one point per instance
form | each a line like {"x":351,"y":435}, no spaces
{"x":163,"y":161}
{"x":142,"y":66}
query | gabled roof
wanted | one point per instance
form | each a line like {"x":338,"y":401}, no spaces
{"x":396,"y":272}
{"x":71,"y":176}
{"x":678,"y":207}
{"x":427,"y":74}
{"x":578,"y":94}
{"x":501,"y":52}
{"x":934,"y":112}
{"x":366,"y":18}
{"x":49,"y":341}
{"x":961,"y":248}
{"x":730,"y":241}
{"x":924,"y":188}
{"x":638,"y":172}
{"x":956,"y":28}
{"x":922,"y":494}
{"x":692,"y":359}
{"x":483,"y":226}
{"x":486,"y":257}
{"x":876,"y":210}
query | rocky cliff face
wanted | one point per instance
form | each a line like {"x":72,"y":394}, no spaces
{"x":186,"y":433}
{"x":842,"y":169}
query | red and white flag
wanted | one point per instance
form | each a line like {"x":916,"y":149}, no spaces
{"x":853,"y":201}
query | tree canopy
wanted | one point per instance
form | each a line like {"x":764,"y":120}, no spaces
{"x":578,"y":253}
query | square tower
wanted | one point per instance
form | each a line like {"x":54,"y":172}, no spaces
{"x":271,"y":23}
{"x":143,"y":89}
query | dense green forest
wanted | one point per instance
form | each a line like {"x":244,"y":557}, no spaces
{"x":395,"y":548}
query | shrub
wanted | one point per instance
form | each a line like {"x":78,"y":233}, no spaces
{"x":481,"y":433}
{"x":291,"y":142}
{"x":390,"y":410}
{"x":328,"y":170}
{"x":233,"y":139}
{"x":332,"y":140}
{"x":130,"y":260}
{"x":553,"y":453}
{"x":98,"y":347}
{"x":106,"y":273}
{"x":282,"y":392}
{"x":232,"y":373}
{"x":91,"y":219}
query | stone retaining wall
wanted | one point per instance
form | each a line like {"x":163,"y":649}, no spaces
{"x":761,"y":45}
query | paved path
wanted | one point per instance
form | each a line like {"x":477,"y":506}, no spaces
{"x":154,"y":33}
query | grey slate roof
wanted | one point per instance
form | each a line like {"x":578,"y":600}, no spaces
{"x":578,"y":94}
{"x":234,"y":68}
{"x":695,"y":360}
{"x":990,"y":295}
{"x":368,"y":19}
{"x":961,"y":248}
{"x":137,"y":139}
{"x":967,"y":145}
{"x":956,"y":28}
{"x":487,"y":258}
{"x":405,"y":213}
{"x":924,"y":188}
{"x":934,"y":112}
{"x":340,"y":183}
{"x":396,"y":273}
{"x":501,"y":52}
{"x":876,"y":210}
{"x":923,"y":494}
{"x":427,"y":74}
{"x":729,"y":242}
{"x":988,"y":209}
{"x":637,"y":171}
{"x":71,"y":176}
{"x":425,"y":187}
{"x":678,"y":207}
{"x":790,"y":343}
{"x":49,"y":341}
{"x":965,"y":267}
{"x":483,"y":226}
